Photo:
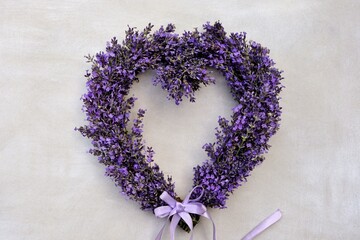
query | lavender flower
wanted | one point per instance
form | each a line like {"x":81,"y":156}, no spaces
{"x":182,"y":65}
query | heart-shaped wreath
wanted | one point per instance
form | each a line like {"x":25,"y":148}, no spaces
{"x":182,"y":65}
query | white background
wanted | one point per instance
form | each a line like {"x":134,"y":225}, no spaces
{"x":51,"y":188}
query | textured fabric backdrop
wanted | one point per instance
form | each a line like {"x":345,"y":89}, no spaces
{"x":51,"y":188}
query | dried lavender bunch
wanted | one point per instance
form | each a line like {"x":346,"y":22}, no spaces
{"x":182,"y":65}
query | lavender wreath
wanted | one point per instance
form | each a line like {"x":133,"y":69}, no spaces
{"x":182,"y":64}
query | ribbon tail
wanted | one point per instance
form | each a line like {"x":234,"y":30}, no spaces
{"x":187,"y":218}
{"x":192,"y":233}
{"x":267,"y":222}
{"x":174,"y":222}
{"x":207,"y":215}
{"x":159,"y":236}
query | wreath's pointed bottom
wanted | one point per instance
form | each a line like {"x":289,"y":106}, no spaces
{"x":182,"y":224}
{"x":195,"y":219}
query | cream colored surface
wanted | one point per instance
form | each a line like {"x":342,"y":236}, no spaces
{"x":51,"y":188}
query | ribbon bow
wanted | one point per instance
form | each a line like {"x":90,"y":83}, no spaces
{"x":179,"y":211}
{"x":182,"y":210}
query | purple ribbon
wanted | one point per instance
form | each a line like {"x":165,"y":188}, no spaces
{"x":267,"y":222}
{"x":182,"y":210}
